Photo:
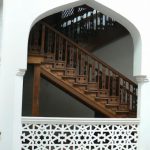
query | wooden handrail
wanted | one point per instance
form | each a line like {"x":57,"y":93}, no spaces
{"x":91,"y":55}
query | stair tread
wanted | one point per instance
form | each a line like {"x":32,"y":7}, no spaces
{"x":68,"y":76}
{"x":95,"y":90}
{"x":107,"y":97}
{"x":92,"y":82}
{"x":81,"y":84}
{"x":122,"y":111}
{"x":91,"y":91}
{"x":57,"y":69}
{"x":82,"y":75}
{"x":48,"y":62}
{"x":59,"y":61}
{"x":70,"y":68}
{"x":112,"y":104}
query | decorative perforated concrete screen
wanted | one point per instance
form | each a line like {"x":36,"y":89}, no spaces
{"x":78,"y":134}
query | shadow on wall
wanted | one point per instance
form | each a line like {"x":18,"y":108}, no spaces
{"x":119,"y":54}
{"x":53,"y":101}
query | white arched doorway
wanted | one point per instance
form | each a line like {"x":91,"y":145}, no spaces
{"x":130,"y":72}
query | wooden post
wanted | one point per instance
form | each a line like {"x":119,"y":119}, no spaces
{"x":43,"y":39}
{"x":96,"y":20}
{"x":36,"y":90}
{"x":98,"y":82}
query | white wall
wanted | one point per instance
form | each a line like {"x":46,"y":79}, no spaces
{"x":119,"y":55}
{"x":19,"y":16}
{"x":1,"y":13}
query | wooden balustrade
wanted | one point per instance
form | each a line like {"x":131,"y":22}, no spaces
{"x":84,"y":20}
{"x":45,"y":40}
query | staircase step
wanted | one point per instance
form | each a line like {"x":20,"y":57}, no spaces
{"x":92,"y":93}
{"x":70,"y":71}
{"x":92,"y":86}
{"x":81,"y":79}
{"x":107,"y":99}
{"x":57,"y":69}
{"x":113,"y":99}
{"x":123,"y":107}
{"x":80,"y":84}
{"x":68,"y":77}
{"x":60,"y":64}
{"x":48,"y":62}
{"x":132,"y":114}
{"x":102,"y":92}
{"x":103,"y":100}
{"x":112,"y":105}
{"x":122,"y":111}
{"x":101,"y":97}
{"x":48,"y":65}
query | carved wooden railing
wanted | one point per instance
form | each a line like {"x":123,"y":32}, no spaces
{"x":83,"y":20}
{"x":48,"y":42}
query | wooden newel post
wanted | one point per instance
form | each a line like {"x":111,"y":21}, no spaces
{"x":36,"y":90}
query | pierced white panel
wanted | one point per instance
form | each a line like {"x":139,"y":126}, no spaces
{"x":51,"y":136}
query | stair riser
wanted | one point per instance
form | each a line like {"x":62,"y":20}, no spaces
{"x":70,"y":80}
{"x":113,"y":101}
{"x":123,"y":107}
{"x":58,"y":73}
{"x":113,"y":108}
{"x":59,"y":65}
{"x":103,"y":101}
{"x":82,"y":87}
{"x":81,"y":80}
{"x":91,"y":94}
{"x":70,"y":73}
{"x":49,"y":66}
{"x":92,"y":86}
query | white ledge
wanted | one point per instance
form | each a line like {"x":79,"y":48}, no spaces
{"x":55,"y":120}
{"x":142,"y":78}
{"x":21,"y":72}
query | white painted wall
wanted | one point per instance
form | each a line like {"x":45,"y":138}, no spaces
{"x":119,"y":55}
{"x":1,"y":14}
{"x":19,"y":16}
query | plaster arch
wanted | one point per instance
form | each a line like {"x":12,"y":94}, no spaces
{"x":135,"y":34}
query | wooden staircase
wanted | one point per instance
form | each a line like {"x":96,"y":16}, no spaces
{"x":78,"y":72}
